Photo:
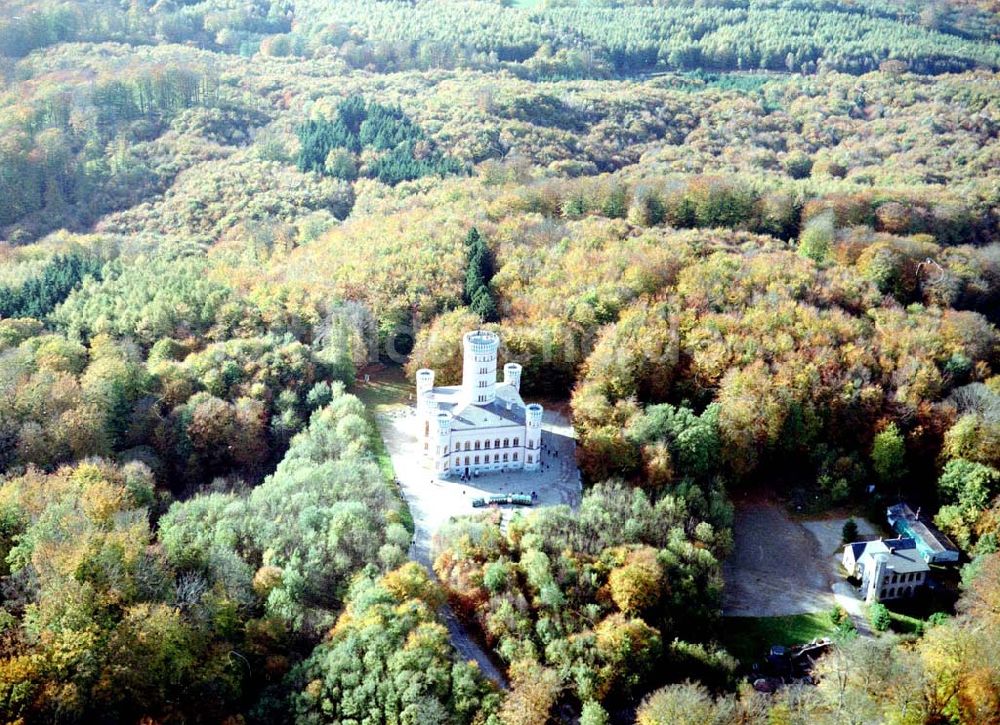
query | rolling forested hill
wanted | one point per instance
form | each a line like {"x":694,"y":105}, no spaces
{"x":749,"y":241}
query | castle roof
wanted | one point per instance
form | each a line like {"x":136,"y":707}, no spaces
{"x":506,"y":411}
{"x":900,"y":555}
{"x":858,"y":548}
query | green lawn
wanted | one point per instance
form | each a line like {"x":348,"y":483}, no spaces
{"x":910,"y":616}
{"x":905,"y":624}
{"x":748,"y":638}
{"x":386,"y":390}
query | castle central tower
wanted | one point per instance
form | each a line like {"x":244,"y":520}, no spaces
{"x":479,"y":370}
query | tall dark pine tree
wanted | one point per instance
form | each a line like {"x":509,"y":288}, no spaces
{"x":478,"y":275}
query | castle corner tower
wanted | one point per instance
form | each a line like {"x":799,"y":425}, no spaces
{"x":512,"y":375}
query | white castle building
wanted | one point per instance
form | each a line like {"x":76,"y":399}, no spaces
{"x":480,"y":425}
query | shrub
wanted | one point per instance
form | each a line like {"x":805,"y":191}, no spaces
{"x":878,"y":615}
{"x":846,"y":629}
{"x":817,"y":237}
{"x":593,"y":714}
{"x":850,"y":531}
{"x":936,"y":619}
{"x":798,"y":165}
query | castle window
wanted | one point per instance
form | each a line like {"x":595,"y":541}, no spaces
{"x":531,"y":445}
{"x":477,"y":460}
{"x":496,"y":457}
{"x":505,"y":458}
{"x":515,"y":456}
{"x":506,"y":442}
{"x":529,"y":459}
{"x":467,"y":460}
{"x":516,"y":441}
{"x":458,"y":461}
{"x":467,"y":445}
{"x":496,"y":443}
{"x":477,"y":445}
{"x":486,"y":444}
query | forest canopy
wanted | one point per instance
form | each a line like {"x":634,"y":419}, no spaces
{"x":741,"y":245}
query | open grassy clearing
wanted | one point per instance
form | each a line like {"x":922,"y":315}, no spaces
{"x":748,"y":638}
